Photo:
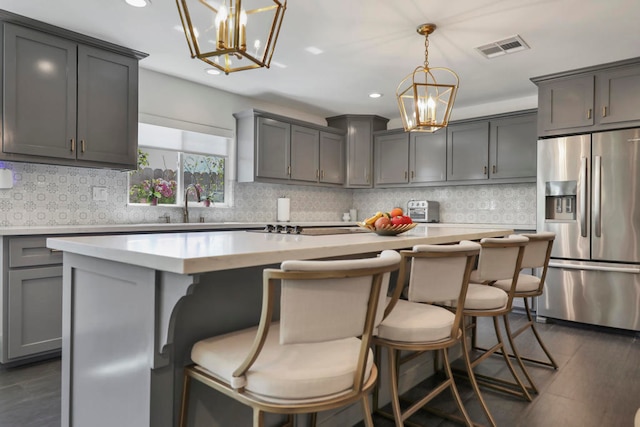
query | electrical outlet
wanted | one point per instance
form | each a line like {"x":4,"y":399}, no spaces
{"x":100,"y":194}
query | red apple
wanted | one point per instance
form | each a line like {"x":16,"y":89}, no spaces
{"x":407,"y":219}
{"x":397,"y":220}
{"x":381,"y":222}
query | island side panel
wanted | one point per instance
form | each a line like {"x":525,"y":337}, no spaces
{"x":108,"y":343}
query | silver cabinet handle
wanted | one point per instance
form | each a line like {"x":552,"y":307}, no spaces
{"x":604,"y":111}
{"x":597,"y":195}
{"x":82,"y":145}
{"x":589,"y":113}
{"x":484,"y":170}
{"x":583,"y":198}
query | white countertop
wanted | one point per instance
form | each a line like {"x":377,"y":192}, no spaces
{"x":191,"y":253}
{"x":213,"y":226}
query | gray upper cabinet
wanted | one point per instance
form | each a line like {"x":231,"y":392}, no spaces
{"x":40,"y":84}
{"x":305,"y":154}
{"x":107,"y":107}
{"x":618,"y":95}
{"x":468,"y":151}
{"x":69,"y":99}
{"x":427,"y":157}
{"x":566,"y":104}
{"x":391,"y":158}
{"x":273,"y":156}
{"x":359,"y":151}
{"x":332,"y":158}
{"x":590,"y":99}
{"x":512,"y":147}
{"x":278,"y":149}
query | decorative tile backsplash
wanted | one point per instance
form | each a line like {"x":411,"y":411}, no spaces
{"x":45,"y":195}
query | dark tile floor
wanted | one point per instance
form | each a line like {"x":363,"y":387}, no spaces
{"x":597,"y":385}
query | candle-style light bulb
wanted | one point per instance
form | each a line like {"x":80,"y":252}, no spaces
{"x":221,"y":23}
{"x":243,"y":30}
{"x":431,"y":107}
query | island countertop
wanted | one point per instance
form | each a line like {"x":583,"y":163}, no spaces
{"x":193,"y":253}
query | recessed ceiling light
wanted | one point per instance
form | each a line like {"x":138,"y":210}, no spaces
{"x":375,"y":95}
{"x":212,"y":71}
{"x":314,"y":50}
{"x":138,"y":3}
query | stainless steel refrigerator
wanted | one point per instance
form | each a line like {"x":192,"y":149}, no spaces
{"x":588,"y":193}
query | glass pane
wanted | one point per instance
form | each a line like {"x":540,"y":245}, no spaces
{"x":207,"y":172}
{"x":155,"y":181}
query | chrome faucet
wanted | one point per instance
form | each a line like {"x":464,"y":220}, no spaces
{"x":185,"y":212}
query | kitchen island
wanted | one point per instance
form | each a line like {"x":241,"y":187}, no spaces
{"x":133,"y":305}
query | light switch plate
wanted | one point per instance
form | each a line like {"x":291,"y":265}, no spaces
{"x":100,"y":194}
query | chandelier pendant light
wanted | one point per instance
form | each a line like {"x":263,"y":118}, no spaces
{"x":426,"y":96}
{"x":232,"y":35}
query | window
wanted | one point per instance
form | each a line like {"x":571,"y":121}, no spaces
{"x":170,"y":160}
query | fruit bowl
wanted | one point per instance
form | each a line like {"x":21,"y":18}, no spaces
{"x":388,"y":230}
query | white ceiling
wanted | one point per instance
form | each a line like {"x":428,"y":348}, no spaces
{"x":370,"y":45}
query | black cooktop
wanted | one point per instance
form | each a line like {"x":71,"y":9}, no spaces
{"x":310,"y":231}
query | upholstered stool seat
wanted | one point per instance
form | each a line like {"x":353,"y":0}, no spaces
{"x":526,"y":283}
{"x":412,"y":322}
{"x":290,"y":371}
{"x":483,"y":297}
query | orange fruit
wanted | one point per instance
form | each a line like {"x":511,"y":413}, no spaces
{"x":396,"y":212}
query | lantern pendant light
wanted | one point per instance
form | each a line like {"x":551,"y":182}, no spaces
{"x":426,"y":96}
{"x":232,"y":35}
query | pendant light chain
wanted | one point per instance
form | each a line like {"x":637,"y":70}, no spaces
{"x":426,"y":51}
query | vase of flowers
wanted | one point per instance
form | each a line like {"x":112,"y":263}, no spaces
{"x":155,"y":191}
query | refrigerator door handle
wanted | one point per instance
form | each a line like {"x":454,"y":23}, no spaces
{"x":597,"y":195}
{"x":631,"y":270}
{"x":583,"y":198}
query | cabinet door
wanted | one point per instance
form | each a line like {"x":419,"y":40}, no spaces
{"x":331,"y":158}
{"x":619,"y":95}
{"x":391,"y":158}
{"x":513,"y":147}
{"x":39,"y":103}
{"x":359,"y":153}
{"x":566,"y":103}
{"x":427,"y":157}
{"x":107,"y":107}
{"x":468,"y":151}
{"x":305,"y":144}
{"x":35,"y":311}
{"x":272,"y":148}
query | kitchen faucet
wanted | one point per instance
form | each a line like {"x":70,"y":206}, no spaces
{"x":185,"y":212}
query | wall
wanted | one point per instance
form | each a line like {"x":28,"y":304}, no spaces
{"x":58,"y":195}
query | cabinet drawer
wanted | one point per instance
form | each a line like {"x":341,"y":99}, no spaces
{"x":31,"y":251}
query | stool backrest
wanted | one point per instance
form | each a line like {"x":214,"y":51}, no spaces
{"x":438,"y":271}
{"x":538,"y":251}
{"x":499,"y":256}
{"x":330,"y":300}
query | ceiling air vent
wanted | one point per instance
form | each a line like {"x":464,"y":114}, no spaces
{"x":499,"y":48}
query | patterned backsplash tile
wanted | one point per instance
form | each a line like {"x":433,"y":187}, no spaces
{"x":45,"y":195}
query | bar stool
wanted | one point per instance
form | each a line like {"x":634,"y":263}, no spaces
{"x":437,"y":273}
{"x":536,"y":255}
{"x":317,"y":357}
{"x":500,"y":258}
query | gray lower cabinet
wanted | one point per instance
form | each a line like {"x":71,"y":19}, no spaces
{"x":601,"y":97}
{"x":31,"y":299}
{"x":277,"y":149}
{"x":34,"y":311}
{"x":66,"y":101}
